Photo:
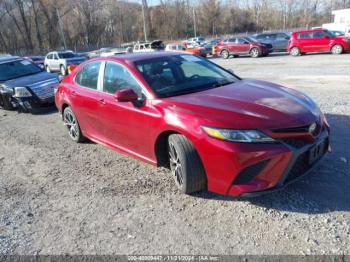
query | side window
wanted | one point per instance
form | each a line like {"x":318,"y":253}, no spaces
{"x":49,"y":56}
{"x":282,"y":37}
{"x":88,"y":76}
{"x":241,"y":41}
{"x":319,"y":35}
{"x":117,"y":77}
{"x":304,"y":36}
{"x":232,"y":40}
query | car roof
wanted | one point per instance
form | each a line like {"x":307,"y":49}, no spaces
{"x":6,"y":59}
{"x":309,"y":31}
{"x":135,"y":57}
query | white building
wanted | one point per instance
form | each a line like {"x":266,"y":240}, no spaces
{"x":341,"y":21}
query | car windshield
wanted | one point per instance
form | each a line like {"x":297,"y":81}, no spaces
{"x":16,"y":69}
{"x":66,"y":55}
{"x":182,"y":74}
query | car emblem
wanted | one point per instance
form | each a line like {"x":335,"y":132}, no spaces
{"x":312,"y":128}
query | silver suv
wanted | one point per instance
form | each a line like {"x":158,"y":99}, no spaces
{"x":59,"y":61}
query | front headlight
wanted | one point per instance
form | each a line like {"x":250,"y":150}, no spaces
{"x":22,"y":92}
{"x":241,"y":136}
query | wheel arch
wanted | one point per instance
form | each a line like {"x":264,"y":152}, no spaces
{"x":161,"y":147}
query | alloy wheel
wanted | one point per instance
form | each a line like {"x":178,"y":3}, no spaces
{"x":175,"y":165}
{"x":254,"y":52}
{"x":224,"y":54}
{"x":337,"y":49}
{"x":295,"y":51}
{"x":71,"y":123}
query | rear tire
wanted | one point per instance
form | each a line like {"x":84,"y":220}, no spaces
{"x":337,"y":50}
{"x":71,"y":122}
{"x":186,"y":166}
{"x":254,"y":52}
{"x":295,"y":51}
{"x":225,"y":54}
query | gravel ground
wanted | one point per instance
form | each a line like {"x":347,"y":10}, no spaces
{"x":57,"y":197}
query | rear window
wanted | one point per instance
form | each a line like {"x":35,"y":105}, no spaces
{"x":66,"y":55}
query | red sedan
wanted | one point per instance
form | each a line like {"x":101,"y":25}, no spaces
{"x":317,"y":40}
{"x":214,"y":130}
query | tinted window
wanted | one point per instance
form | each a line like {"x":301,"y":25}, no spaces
{"x":305,"y":36}
{"x":319,"y":35}
{"x":88,"y":76}
{"x":181,"y":74}
{"x":282,"y":36}
{"x":117,"y":77}
{"x":50,"y":56}
{"x":241,"y":41}
{"x":261,"y":37}
{"x":66,"y":55}
{"x":16,"y":69}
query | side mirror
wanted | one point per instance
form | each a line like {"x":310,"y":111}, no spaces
{"x":126,"y":95}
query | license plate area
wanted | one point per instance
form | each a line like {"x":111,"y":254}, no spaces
{"x":316,"y":152}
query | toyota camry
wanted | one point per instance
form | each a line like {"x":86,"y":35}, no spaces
{"x":214,"y":130}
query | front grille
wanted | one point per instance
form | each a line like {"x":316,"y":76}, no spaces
{"x":294,"y":142}
{"x":247,"y":174}
{"x":302,"y":165}
{"x":44,"y":90}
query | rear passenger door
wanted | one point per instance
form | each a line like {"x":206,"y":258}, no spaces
{"x":85,"y":99}
{"x":306,"y":43}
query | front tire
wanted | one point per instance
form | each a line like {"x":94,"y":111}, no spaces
{"x":5,"y":103}
{"x":337,"y":50}
{"x":225,"y":54}
{"x":254,"y":52}
{"x":186,"y":166}
{"x":71,"y":122}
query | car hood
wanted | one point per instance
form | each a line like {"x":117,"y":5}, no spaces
{"x":248,"y":104}
{"x":30,"y":80}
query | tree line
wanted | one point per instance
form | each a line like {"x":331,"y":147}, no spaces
{"x":34,"y":26}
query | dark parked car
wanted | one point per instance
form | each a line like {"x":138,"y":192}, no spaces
{"x":38,"y":60}
{"x":237,"y":46}
{"x":208,"y":46}
{"x":279,"y":41}
{"x":317,"y":40}
{"x":213,"y":129}
{"x":24,"y":85}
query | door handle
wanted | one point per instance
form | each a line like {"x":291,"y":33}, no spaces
{"x":102,"y":101}
{"x":73,"y":93}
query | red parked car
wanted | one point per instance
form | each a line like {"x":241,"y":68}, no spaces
{"x":237,"y":46}
{"x":215,"y":131}
{"x":318,"y":40}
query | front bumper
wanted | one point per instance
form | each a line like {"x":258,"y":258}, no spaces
{"x":32,"y":104}
{"x":237,"y":169}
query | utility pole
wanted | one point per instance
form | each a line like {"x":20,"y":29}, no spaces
{"x":194,"y":23}
{"x":144,"y":21}
{"x":61,"y":29}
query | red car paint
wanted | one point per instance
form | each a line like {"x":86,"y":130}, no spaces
{"x":241,"y":46}
{"x":246,"y":104}
{"x":317,"y":40}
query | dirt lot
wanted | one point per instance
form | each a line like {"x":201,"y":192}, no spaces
{"x":57,"y":197}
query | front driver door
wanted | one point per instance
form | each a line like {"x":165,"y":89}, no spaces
{"x":126,"y":126}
